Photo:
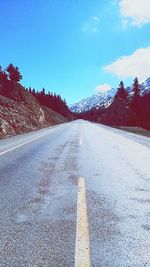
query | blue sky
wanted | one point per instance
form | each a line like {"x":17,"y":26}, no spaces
{"x":72,"y":47}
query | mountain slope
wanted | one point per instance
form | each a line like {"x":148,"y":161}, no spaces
{"x":95,"y":101}
{"x":20,"y":112}
{"x":104,"y":99}
{"x":118,"y":114}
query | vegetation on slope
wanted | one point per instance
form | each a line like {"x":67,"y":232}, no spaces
{"x":20,"y":111}
{"x":125,"y":110}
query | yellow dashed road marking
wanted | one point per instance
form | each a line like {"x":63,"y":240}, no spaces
{"x":82,"y":251}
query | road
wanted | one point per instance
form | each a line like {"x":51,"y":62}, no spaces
{"x":76,"y":194}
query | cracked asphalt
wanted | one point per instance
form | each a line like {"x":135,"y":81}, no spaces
{"x":39,"y":174}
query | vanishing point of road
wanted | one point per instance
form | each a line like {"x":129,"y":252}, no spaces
{"x":75,"y":194}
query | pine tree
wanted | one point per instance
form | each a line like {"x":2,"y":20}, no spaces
{"x":136,"y":87}
{"x":14,"y":73}
{"x":3,"y":75}
{"x":121,"y":93}
{"x":30,"y":90}
{"x":136,"y":103}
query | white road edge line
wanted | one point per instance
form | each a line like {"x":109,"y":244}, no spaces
{"x":82,"y":249}
{"x":3,"y":152}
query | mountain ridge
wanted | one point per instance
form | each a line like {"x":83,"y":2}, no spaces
{"x":104,"y":99}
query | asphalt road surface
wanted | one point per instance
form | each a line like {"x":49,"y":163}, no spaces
{"x":76,"y":194}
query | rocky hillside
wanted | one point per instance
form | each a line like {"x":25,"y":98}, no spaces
{"x":20,"y":112}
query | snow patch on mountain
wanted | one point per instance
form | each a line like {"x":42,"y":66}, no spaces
{"x":104,"y":98}
{"x":145,"y":87}
{"x":95,"y":101}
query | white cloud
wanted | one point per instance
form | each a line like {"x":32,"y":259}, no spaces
{"x":103,"y":87}
{"x":135,"y":65}
{"x":135,"y":12}
{"x":92,"y":25}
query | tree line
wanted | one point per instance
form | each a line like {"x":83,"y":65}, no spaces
{"x":131,"y":107}
{"x":11,"y":75}
{"x":51,"y":100}
{"x":138,"y":103}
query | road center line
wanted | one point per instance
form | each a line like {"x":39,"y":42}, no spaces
{"x":82,"y":250}
{"x":80,"y":141}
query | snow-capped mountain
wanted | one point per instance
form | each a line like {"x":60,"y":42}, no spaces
{"x":95,"y":101}
{"x":145,"y":87}
{"x":104,"y":99}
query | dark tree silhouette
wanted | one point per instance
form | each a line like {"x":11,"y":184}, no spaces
{"x":14,"y":73}
{"x":52,"y":101}
{"x":3,"y":75}
{"x":9,"y":80}
{"x":132,"y":109}
{"x":140,"y":105}
{"x":136,"y":98}
{"x":121,"y":93}
{"x":145,"y":111}
{"x":136,"y":87}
